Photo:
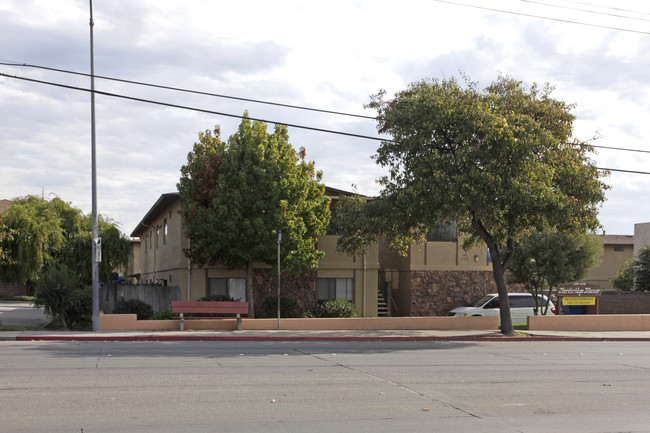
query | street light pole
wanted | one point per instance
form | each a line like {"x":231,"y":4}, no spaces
{"x":96,"y":248}
{"x":279,"y":242}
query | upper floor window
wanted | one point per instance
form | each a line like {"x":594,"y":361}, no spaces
{"x":165,"y":231}
{"x":443,"y":232}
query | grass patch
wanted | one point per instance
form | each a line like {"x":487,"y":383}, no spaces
{"x":518,"y":326}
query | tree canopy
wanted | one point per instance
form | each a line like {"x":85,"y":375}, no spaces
{"x":636,"y":273}
{"x":36,"y":231}
{"x":543,"y":260}
{"x":500,"y":162}
{"x":237,"y":195}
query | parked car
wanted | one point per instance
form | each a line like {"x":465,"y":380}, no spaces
{"x":521,"y":306}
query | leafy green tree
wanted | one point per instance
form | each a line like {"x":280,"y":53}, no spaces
{"x":36,"y":231}
{"x":543,"y":260}
{"x":636,"y":273}
{"x":236,"y":195}
{"x":115,"y":250}
{"x":624,"y":279}
{"x":642,"y":269}
{"x":62,"y":296}
{"x":500,"y":162}
{"x":37,"y":235}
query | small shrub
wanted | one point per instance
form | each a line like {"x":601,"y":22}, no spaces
{"x":219,"y":298}
{"x":288,"y":307}
{"x":335,"y":308}
{"x":163,"y":315}
{"x":133,"y":306}
{"x":64,"y":298}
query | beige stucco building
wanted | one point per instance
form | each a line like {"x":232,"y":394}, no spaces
{"x":617,"y":251}
{"x":436,"y":276}
{"x":159,"y":259}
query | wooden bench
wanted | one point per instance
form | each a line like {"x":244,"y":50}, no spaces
{"x":208,"y":307}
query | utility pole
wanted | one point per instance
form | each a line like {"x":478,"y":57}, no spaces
{"x":279,"y":242}
{"x":96,"y":249}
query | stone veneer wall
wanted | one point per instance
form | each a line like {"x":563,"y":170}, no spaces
{"x":301,"y":288}
{"x":434,"y":293}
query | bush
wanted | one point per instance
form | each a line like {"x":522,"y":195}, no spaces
{"x":218,"y":298}
{"x":64,"y":298}
{"x":335,"y":308}
{"x":288,"y":307}
{"x":133,"y":306}
{"x":163,"y":315}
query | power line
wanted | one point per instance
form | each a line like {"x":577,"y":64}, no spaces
{"x":184,"y":107}
{"x":140,"y":83}
{"x":623,"y":171}
{"x":542,"y":17}
{"x":616,"y":148}
{"x":584,"y":10}
{"x":310,"y":128}
{"x":197,"y":92}
{"x":607,"y":7}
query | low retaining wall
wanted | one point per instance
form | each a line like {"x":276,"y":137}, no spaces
{"x":586,"y":322}
{"x":129,"y":322}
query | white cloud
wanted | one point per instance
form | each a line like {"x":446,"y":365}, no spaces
{"x":331,"y":55}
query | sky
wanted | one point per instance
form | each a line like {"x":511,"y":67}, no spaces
{"x":330,"y":56}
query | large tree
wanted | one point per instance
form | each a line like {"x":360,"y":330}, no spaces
{"x":37,"y":231}
{"x":237,"y":195}
{"x":636,"y":273}
{"x":543,"y":260}
{"x":500,"y":162}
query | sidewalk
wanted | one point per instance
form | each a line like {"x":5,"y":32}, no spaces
{"x":280,"y":335}
{"x":24,"y":314}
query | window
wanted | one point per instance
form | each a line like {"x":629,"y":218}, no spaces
{"x":232,"y":287}
{"x":165,"y":231}
{"x":442,"y":232}
{"x":334,"y":288}
{"x":521,"y":301}
{"x":619,"y":248}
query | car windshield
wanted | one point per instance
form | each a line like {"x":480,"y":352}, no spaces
{"x":482,"y":301}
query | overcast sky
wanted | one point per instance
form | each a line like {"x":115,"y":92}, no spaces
{"x":328,"y":55}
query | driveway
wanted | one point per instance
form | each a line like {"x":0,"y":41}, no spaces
{"x":22,"y":314}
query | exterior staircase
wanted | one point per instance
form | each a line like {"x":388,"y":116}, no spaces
{"x":383,"y":309}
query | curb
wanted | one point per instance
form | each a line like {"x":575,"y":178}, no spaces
{"x":309,"y":338}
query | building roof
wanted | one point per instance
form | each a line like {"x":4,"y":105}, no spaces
{"x":169,"y":198}
{"x":618,"y":239}
{"x":5,"y":205}
{"x":162,"y":203}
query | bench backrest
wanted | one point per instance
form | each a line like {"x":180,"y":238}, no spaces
{"x":213,"y":307}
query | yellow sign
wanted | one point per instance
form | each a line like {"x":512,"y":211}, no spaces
{"x":579,"y":300}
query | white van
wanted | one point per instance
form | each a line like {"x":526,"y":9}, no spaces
{"x":521,"y":306}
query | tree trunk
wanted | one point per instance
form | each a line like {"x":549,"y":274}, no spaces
{"x":249,"y":289}
{"x":498,"y":271}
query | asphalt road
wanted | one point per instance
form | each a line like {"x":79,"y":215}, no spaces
{"x":324,"y":387}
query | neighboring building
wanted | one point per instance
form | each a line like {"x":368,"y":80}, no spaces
{"x":5,"y":205}
{"x":617,"y":251}
{"x":162,"y":262}
{"x":641,"y":236}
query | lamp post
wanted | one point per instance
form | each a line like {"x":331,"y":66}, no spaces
{"x":279,"y":242}
{"x":96,"y":248}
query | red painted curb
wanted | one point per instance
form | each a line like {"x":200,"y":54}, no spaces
{"x":309,"y":338}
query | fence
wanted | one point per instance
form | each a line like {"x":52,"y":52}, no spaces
{"x":159,"y":297}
